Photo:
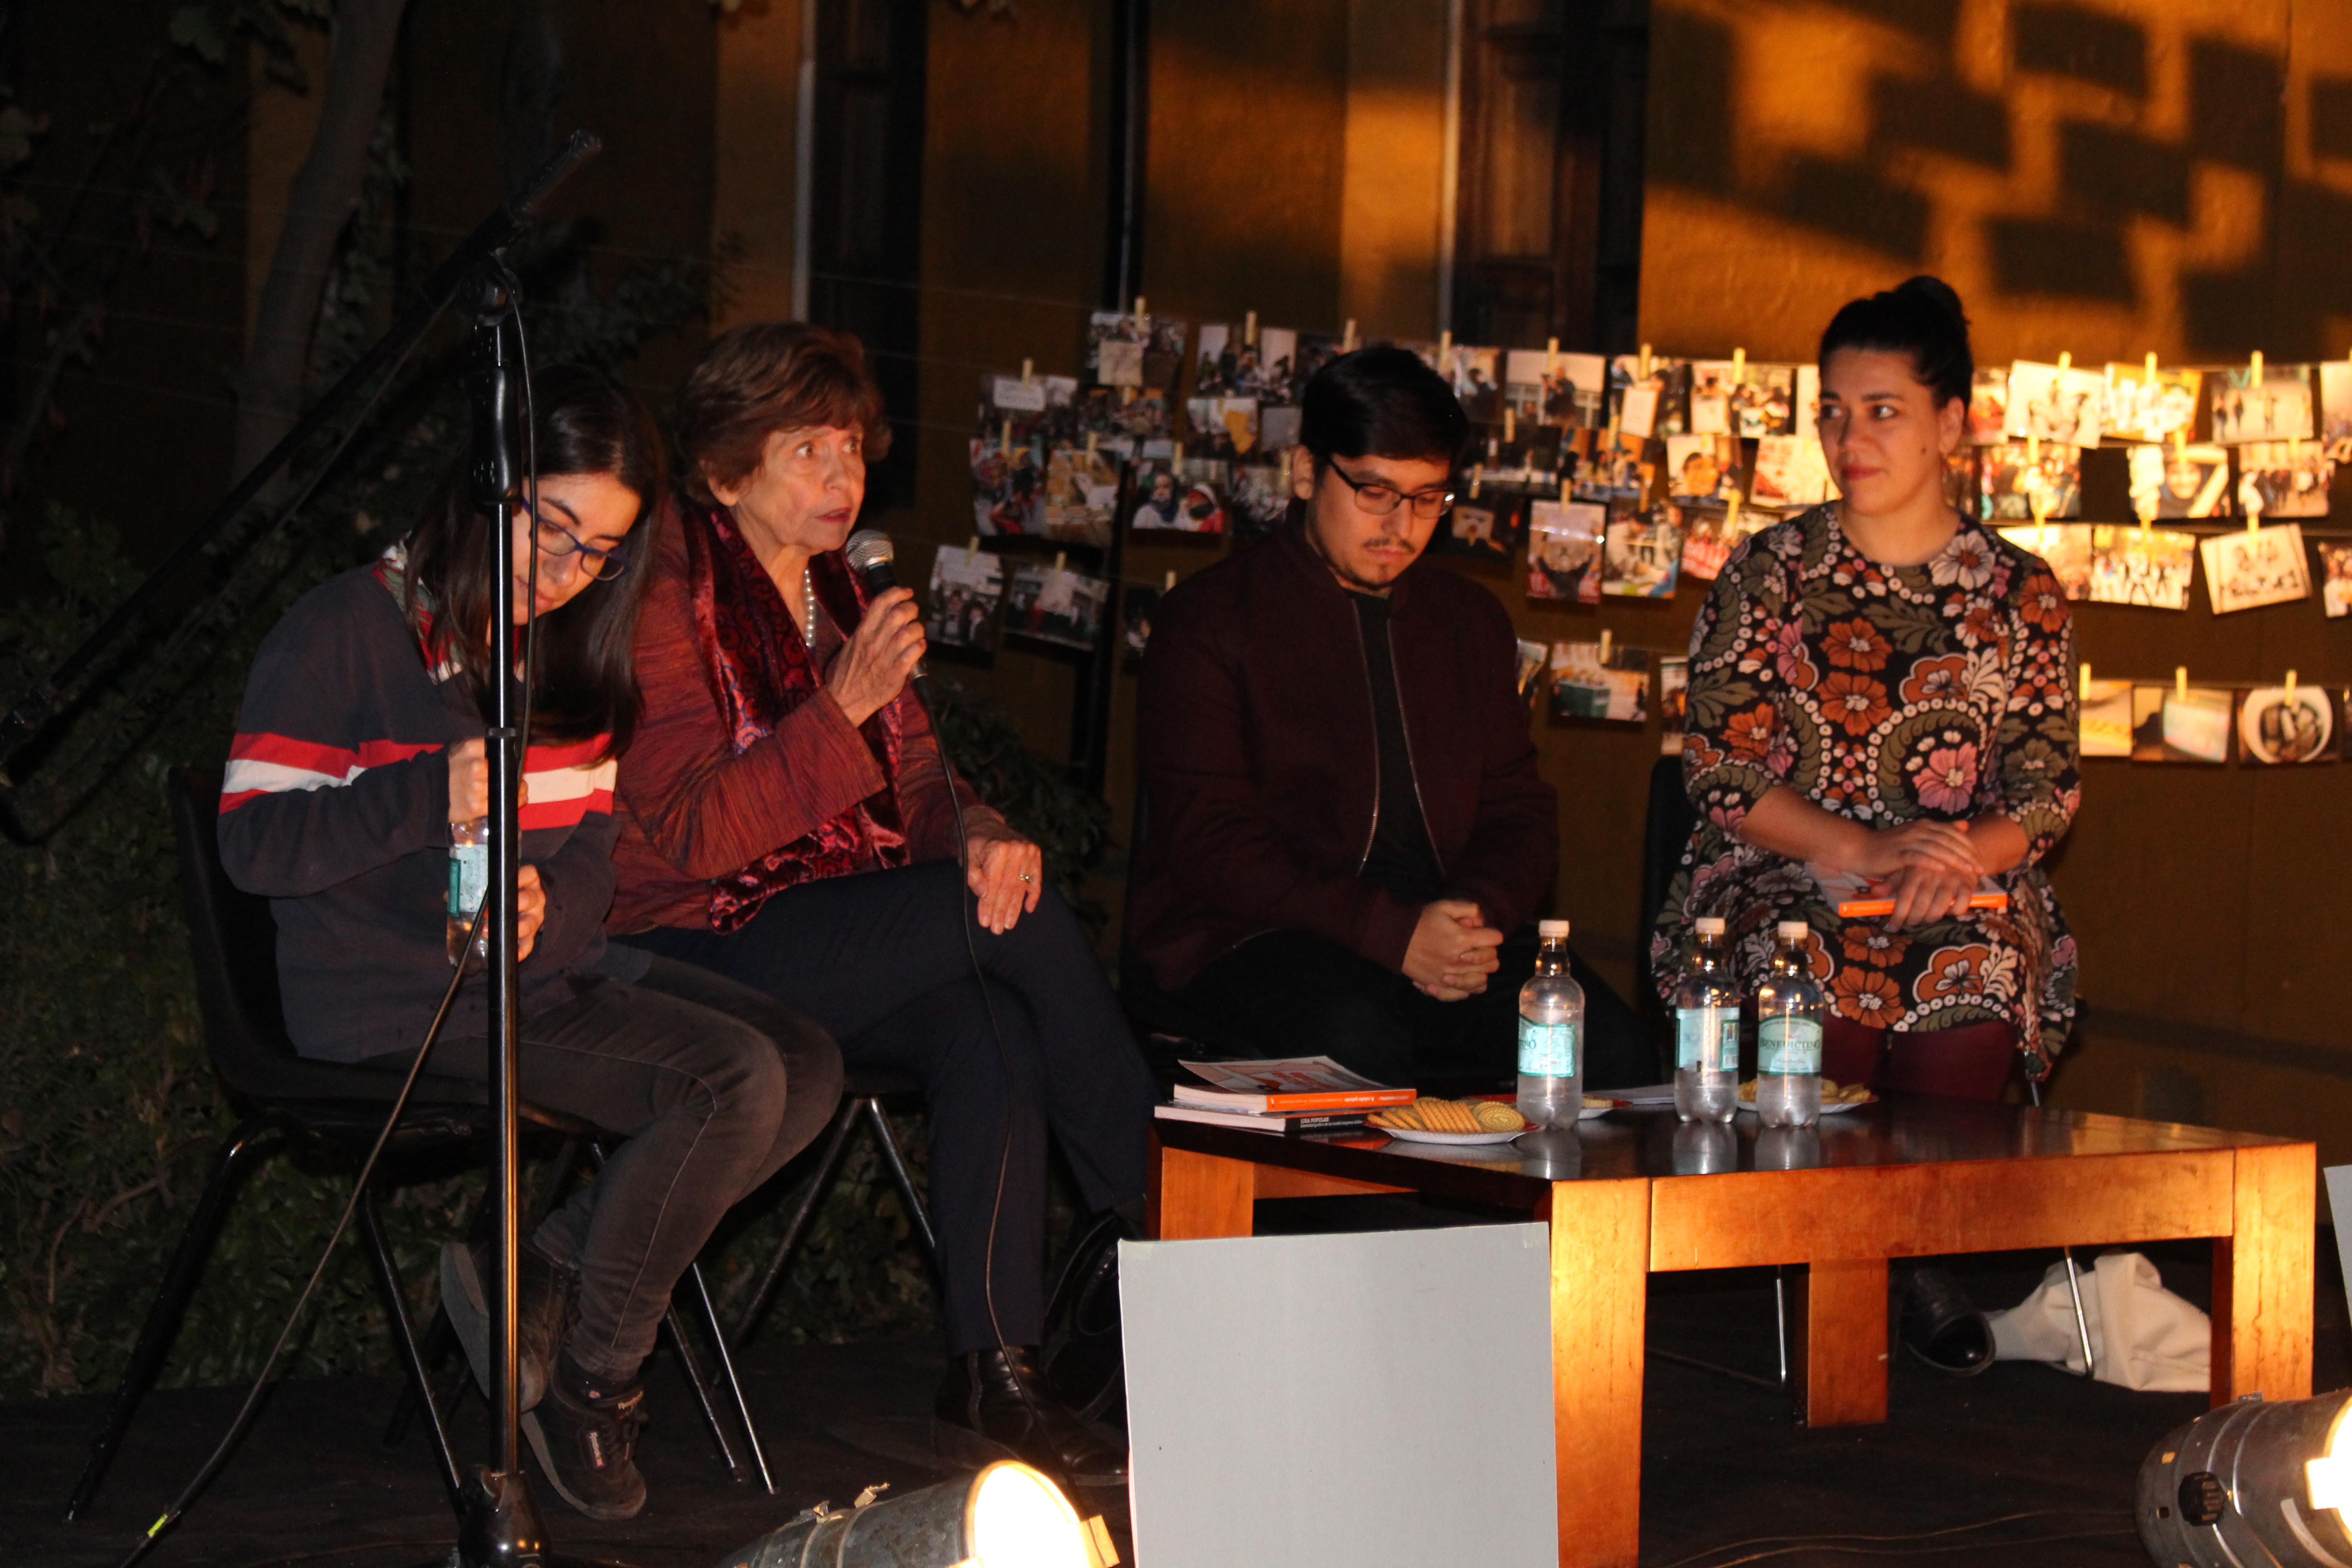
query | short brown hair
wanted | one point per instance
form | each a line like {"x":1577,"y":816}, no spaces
{"x":765,"y":376}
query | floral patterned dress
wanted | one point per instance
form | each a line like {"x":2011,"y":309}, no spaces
{"x":1885,"y":694}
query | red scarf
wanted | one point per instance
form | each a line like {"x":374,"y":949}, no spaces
{"x":761,"y":670}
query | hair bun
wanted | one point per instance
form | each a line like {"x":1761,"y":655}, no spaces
{"x":1929,"y":290}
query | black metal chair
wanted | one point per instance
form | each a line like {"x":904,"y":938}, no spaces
{"x":286,"y":1098}
{"x":862,"y":1090}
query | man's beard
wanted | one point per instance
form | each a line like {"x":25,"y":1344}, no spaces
{"x":1348,"y":576}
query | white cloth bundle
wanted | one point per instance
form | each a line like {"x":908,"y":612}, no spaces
{"x":2144,"y":1336}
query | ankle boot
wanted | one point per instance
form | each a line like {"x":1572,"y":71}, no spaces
{"x":585,"y":1436}
{"x":993,"y":1404}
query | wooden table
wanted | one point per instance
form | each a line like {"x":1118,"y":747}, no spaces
{"x":1635,"y":1191}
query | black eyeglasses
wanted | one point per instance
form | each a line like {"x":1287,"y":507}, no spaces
{"x":1381,"y":499}
{"x":555,"y":540}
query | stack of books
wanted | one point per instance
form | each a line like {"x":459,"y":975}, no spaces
{"x":1288,"y":1097}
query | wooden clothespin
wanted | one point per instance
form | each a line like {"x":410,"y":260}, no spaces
{"x":2294,"y":451}
{"x":1642,"y":365}
{"x":1445,"y":346}
{"x":1249,"y":329}
{"x":1739,"y":365}
{"x":1169,"y":582}
{"x":2180,"y":680}
{"x":2065,"y":360}
{"x":2086,"y":694}
{"x":1063,"y":556}
{"x":1005,"y":441}
{"x":1731,"y":513}
{"x":973,"y":548}
{"x":1091,"y":444}
{"x":1551,"y":356}
{"x":1604,"y":644}
{"x":1477,"y":473}
{"x":2147,"y":377}
{"x":2290,"y":683}
{"x":1510,"y":425}
{"x":2254,"y":369}
{"x":1176,"y":460}
{"x":1026,"y":367}
{"x":2032,"y":450}
{"x":1139,"y":304}
{"x":1348,"y":338}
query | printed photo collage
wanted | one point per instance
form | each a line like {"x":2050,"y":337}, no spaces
{"x":2256,"y":726}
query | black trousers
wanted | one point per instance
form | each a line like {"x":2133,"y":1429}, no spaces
{"x":880,"y":960}
{"x":1298,"y":995}
{"x":713,"y":1086}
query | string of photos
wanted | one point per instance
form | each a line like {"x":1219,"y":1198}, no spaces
{"x":1622,"y":475}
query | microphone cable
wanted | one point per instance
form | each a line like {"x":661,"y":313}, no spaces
{"x":242,"y":1421}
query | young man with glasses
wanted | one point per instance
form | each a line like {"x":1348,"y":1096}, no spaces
{"x":1345,"y":824}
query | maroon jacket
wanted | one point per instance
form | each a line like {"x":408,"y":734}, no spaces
{"x":1262,"y":767}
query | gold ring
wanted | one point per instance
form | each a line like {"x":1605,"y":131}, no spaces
{"x":1025,"y":876}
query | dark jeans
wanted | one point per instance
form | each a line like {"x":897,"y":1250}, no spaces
{"x":714,"y":1087}
{"x":880,"y":960}
{"x":1298,"y":995}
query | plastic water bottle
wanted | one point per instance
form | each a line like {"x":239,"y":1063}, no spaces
{"x":469,"y":880}
{"x":1706,"y":1032}
{"x":1789,"y":1006}
{"x":1551,"y":1035}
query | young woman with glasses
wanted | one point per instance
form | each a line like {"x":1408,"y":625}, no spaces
{"x":358,"y":756}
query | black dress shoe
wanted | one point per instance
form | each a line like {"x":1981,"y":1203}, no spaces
{"x":1942,"y":1327}
{"x":993,"y":1404}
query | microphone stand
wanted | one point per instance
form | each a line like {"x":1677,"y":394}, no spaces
{"x":498,"y":1524}
{"x":495,"y":233}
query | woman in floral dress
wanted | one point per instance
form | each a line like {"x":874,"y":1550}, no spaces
{"x":1880,"y":691}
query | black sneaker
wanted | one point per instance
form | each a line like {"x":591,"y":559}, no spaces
{"x":585,"y":1436}
{"x":547,"y":1298}
{"x":993,"y":1404}
{"x":1942,"y":1327}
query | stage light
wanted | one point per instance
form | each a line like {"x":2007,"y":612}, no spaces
{"x":2252,"y":1486}
{"x":1007,"y":1516}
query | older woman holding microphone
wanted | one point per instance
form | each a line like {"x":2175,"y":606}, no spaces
{"x":788,"y":820}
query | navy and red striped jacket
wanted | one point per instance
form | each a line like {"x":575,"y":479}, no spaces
{"x":336,"y":806}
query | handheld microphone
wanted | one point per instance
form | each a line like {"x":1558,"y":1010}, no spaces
{"x":870,"y":554}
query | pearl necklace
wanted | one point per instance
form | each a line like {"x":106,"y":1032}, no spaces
{"x":808,"y":608}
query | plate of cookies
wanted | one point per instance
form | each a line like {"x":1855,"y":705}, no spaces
{"x":1429,"y":1121}
{"x":1835,"y":1097}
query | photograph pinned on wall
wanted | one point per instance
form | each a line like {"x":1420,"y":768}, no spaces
{"x":1173,"y":497}
{"x":2063,"y":547}
{"x":1277,"y":367}
{"x":1137,"y":606}
{"x":2144,"y":407}
{"x":2274,"y":407}
{"x":2170,"y":725}
{"x":1809,"y":402}
{"x":1702,"y":468}
{"x":2179,"y":480}
{"x":1081,"y":494}
{"x":2336,"y":409}
{"x":1315,"y":349}
{"x":1523,"y":456}
{"x":1533,"y":656}
{"x":2147,"y":567}
{"x":1674,"y":704}
{"x":2335,"y":580}
{"x":1222,"y":428}
{"x":1477,"y":377}
{"x":1764,"y":401}
{"x":1790,"y":471}
{"x":1611,"y":688}
{"x":2012,"y":476}
{"x":1652,"y":400}
{"x":2283,"y":479}
{"x":1008,"y":487}
{"x":1486,"y":529}
{"x":1229,"y":363}
{"x":2280,"y":726}
{"x":967,"y":587}
{"x":2052,"y":404}
{"x":1611,"y":469}
{"x":1057,"y":605}
{"x":1989,"y":406}
{"x":1961,"y":491}
{"x":2105,"y":726}
{"x":2247,"y":568}
{"x":1710,"y":398}
{"x":1257,"y":498}
{"x":1711,"y":532}
{"x":1127,"y":350}
{"x":1123,"y":421}
{"x":1564,"y":550}
{"x":1564,"y":389}
{"x":1642,"y":552}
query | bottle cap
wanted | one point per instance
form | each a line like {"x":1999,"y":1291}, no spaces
{"x":1709,"y":925}
{"x":1792,"y":931}
{"x":1551,"y":930}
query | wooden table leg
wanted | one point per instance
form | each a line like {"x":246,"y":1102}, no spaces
{"x":1599,"y":1279}
{"x":2262,"y":1277}
{"x":1200,"y":1196}
{"x":1841,"y":1351}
